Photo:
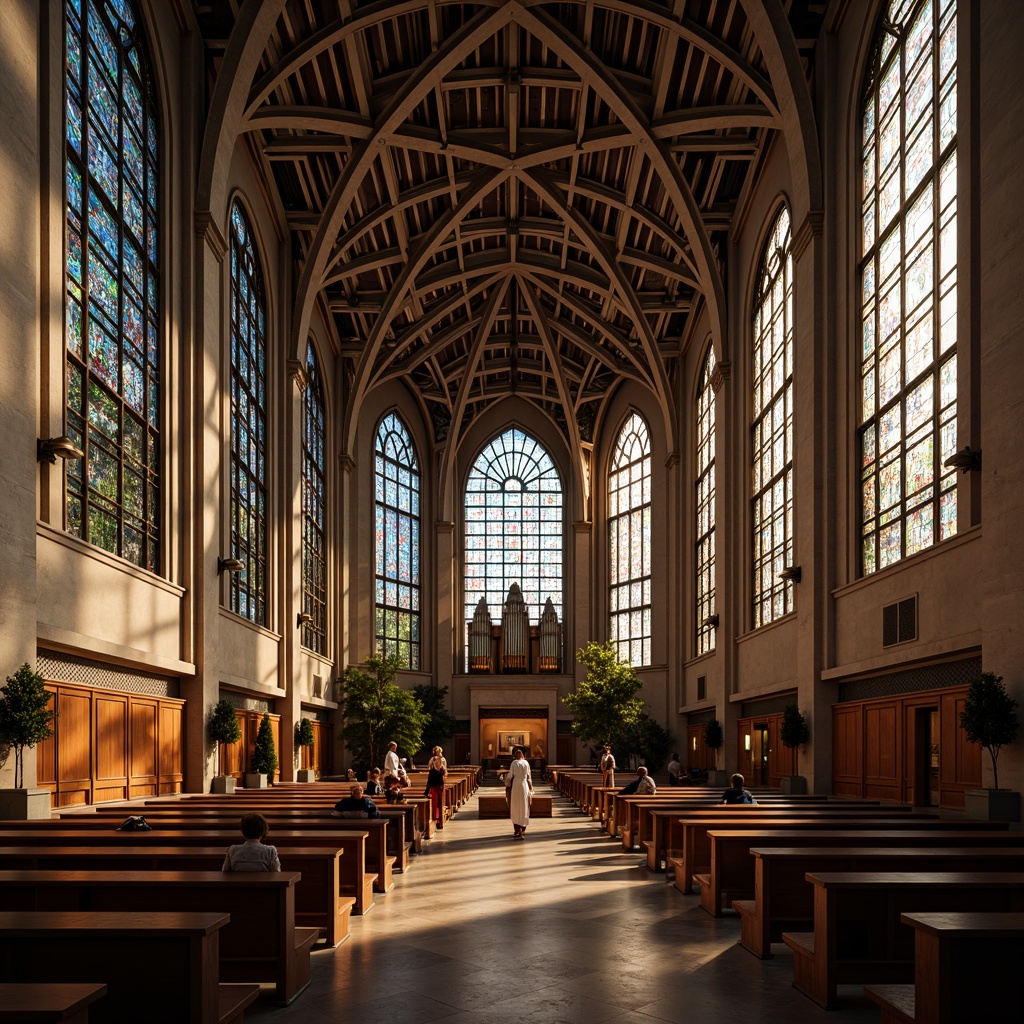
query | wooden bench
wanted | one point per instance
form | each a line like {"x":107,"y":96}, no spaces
{"x":857,"y":935}
{"x":784,"y":898}
{"x":967,"y":967}
{"x":157,"y":967}
{"x":497,"y":806}
{"x":259,"y":943}
{"x":50,"y":1002}
{"x":319,"y":901}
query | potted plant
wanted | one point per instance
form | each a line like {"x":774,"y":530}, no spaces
{"x":989,"y":718}
{"x":25,"y":720}
{"x":223,"y":728}
{"x":713,"y":740}
{"x":304,"y":740}
{"x":264,"y":757}
{"x":794,"y":733}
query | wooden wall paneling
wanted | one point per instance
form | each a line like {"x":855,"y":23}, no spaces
{"x":323,"y":748}
{"x":960,"y":762}
{"x":697,"y":754}
{"x":171,"y":746}
{"x":565,"y":749}
{"x":143,"y":754}
{"x":110,"y":718}
{"x":882,"y":753}
{"x":848,"y":750}
{"x":462,"y":744}
{"x":46,"y":755}
{"x":745,"y":747}
{"x":74,"y":746}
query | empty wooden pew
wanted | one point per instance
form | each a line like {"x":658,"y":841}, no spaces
{"x":857,"y":936}
{"x":53,"y":1001}
{"x":160,"y":968}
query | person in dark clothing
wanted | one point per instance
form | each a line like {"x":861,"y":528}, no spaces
{"x":437,"y":769}
{"x":355,"y":805}
{"x":373,"y":787}
{"x":736,"y":794}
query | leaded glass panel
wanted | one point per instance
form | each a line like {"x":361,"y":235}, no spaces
{"x":705,"y":605}
{"x":314,"y":505}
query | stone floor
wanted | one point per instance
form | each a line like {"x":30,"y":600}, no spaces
{"x":561,"y":927}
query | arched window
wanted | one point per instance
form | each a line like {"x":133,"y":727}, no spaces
{"x":704,"y":559}
{"x":248,"y":423}
{"x":314,"y":502}
{"x":112,"y":282}
{"x":629,"y":542}
{"x":772,"y":434}
{"x":513,"y":526}
{"x":908,"y":278}
{"x":397,"y":510}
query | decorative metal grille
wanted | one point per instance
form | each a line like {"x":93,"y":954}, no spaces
{"x":932,"y":677}
{"x":67,"y":668}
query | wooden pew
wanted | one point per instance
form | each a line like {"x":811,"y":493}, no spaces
{"x":783,"y":900}
{"x":986,"y":982}
{"x":497,"y":806}
{"x":694,"y":858}
{"x":319,"y":903}
{"x":160,"y":968}
{"x":68,"y":1003}
{"x":259,"y":943}
{"x":857,"y":935}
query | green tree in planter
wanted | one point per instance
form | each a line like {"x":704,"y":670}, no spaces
{"x":714,"y":738}
{"x":304,"y":737}
{"x":605,"y":699}
{"x":25,"y":720}
{"x":794,"y":731}
{"x":647,"y":740}
{"x":223,"y":726}
{"x":989,"y":716}
{"x":440,"y":724}
{"x":264,"y":753}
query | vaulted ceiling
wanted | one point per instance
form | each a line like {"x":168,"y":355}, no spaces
{"x":493,"y":197}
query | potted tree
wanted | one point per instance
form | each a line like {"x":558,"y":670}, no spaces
{"x":794,"y":733}
{"x":989,"y":718}
{"x":25,"y":720}
{"x":264,"y":757}
{"x":304,"y":740}
{"x":713,"y":740}
{"x":223,"y":728}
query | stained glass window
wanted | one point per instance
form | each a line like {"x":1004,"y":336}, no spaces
{"x":112,"y":282}
{"x":705,"y":504}
{"x":908,"y":285}
{"x":248,"y":423}
{"x":397,"y":512}
{"x":314,"y":503}
{"x":629,"y":543}
{"x":514,"y":527}
{"x":772,"y":434}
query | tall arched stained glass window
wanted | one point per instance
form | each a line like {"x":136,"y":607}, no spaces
{"x":248,"y":423}
{"x":772,"y":434}
{"x":704,"y":561}
{"x":513,"y":526}
{"x":112,"y":283}
{"x":314,"y":503}
{"x":908,"y":280}
{"x":629,"y":542}
{"x":397,"y":511}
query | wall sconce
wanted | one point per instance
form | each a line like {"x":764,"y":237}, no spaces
{"x":746,"y":741}
{"x":303,"y":619}
{"x":712,"y":621}
{"x":694,"y":742}
{"x":49,"y":449}
{"x":965,"y":459}
{"x":490,"y":749}
{"x":230,"y":565}
{"x":791,"y":574}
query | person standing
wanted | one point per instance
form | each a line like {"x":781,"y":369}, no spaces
{"x":437,"y":769}
{"x":674,"y":768}
{"x":607,"y":767}
{"x":392,"y":766}
{"x":518,"y":791}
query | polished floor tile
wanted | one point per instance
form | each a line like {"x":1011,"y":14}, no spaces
{"x":561,"y":928}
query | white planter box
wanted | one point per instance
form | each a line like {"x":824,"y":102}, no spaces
{"x":793,"y":784}
{"x":24,"y":804}
{"x":223,"y":784}
{"x":256,"y":780}
{"x":992,"y":804}
{"x":305,"y":775}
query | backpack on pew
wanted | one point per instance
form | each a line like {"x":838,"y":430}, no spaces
{"x":134,"y":823}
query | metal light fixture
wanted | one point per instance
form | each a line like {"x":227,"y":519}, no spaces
{"x":712,"y":621}
{"x":49,"y":449}
{"x":746,"y":741}
{"x":230,"y":565}
{"x":966,"y":459}
{"x":791,"y":574}
{"x":303,"y":619}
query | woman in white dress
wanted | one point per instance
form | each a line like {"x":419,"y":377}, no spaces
{"x":518,"y":790}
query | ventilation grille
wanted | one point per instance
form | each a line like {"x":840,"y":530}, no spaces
{"x":702,"y":687}
{"x":899,"y":622}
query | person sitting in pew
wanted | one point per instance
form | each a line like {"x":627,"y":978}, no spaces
{"x":253,"y":854}
{"x":642,"y":784}
{"x":355,"y":805}
{"x":373,"y":787}
{"x":736,"y":794}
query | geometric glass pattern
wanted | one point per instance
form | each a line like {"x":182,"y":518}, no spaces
{"x":514,"y":527}
{"x":705,"y":504}
{"x":629,"y":543}
{"x":248,"y":424}
{"x":772,"y":431}
{"x":111,"y":279}
{"x":397,"y":518}
{"x":314,"y":504}
{"x":908,"y":285}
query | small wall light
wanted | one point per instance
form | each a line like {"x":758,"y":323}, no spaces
{"x":230,"y":565}
{"x":302,"y":619}
{"x":966,"y":459}
{"x":49,"y":449}
{"x":712,"y":621}
{"x":746,"y":741}
{"x":694,"y":742}
{"x":791,"y":574}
